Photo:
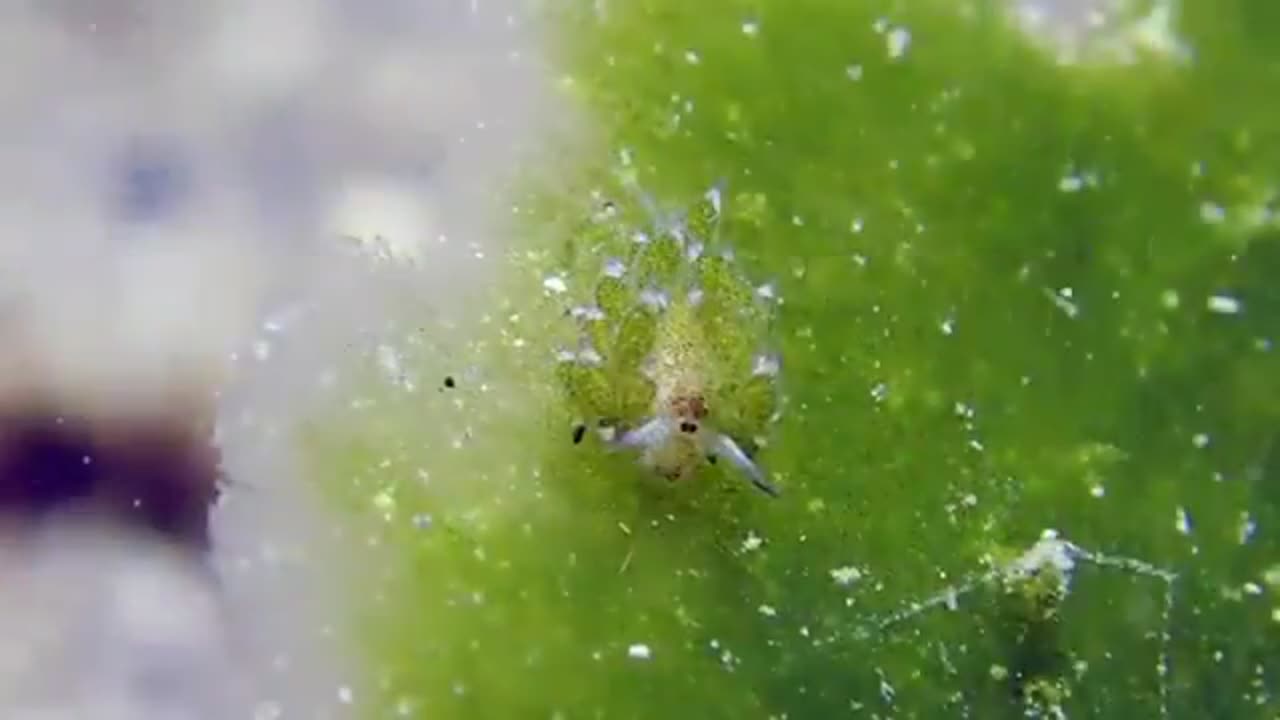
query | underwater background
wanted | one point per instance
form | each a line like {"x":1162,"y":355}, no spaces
{"x":1024,"y":260}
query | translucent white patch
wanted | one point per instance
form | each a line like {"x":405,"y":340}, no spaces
{"x":1063,"y":300}
{"x":694,"y":251}
{"x":614,"y":268}
{"x":1223,"y":304}
{"x":640,"y":237}
{"x":1212,"y":213}
{"x":589,"y":356}
{"x":845,"y":576}
{"x":695,"y":297}
{"x":765,"y":365}
{"x":555,"y":284}
{"x":649,"y":367}
{"x":566,"y":356}
{"x":587,"y":312}
{"x":897,"y":42}
{"x":654,"y":299}
{"x":713,"y":196}
{"x":767,"y":292}
{"x":639,"y":651}
{"x":1182,"y":521}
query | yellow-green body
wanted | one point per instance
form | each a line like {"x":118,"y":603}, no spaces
{"x":669,"y":359}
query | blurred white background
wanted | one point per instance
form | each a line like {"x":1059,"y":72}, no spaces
{"x":178,"y":179}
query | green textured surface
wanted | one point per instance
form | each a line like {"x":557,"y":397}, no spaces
{"x":945,"y":400}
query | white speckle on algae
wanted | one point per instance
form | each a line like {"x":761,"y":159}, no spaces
{"x":846,"y":575}
{"x":1223,"y":304}
{"x":897,"y":42}
{"x":555,"y":284}
{"x":1182,"y":521}
{"x":639,"y":651}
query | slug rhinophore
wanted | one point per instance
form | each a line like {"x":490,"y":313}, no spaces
{"x":670,"y":359}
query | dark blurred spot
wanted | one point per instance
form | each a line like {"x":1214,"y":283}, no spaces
{"x":154,"y":179}
{"x":448,"y":382}
{"x":158,"y":475}
{"x":688,"y":427}
{"x":579,"y":432}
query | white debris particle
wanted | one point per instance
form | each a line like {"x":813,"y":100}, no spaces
{"x":767,"y":292}
{"x":555,"y":284}
{"x":1182,"y":522}
{"x":1252,"y":588}
{"x":1062,"y":299}
{"x":880,"y":392}
{"x":752,"y":542}
{"x":897,"y":41}
{"x":345,"y":695}
{"x":1223,"y":304}
{"x":1071,"y":183}
{"x":1212,"y":212}
{"x":846,"y":575}
{"x":856,"y":226}
{"x":1170,"y":300}
{"x":970,"y":500}
{"x":853,"y":72}
{"x":1098,"y":491}
{"x":750,"y":28}
{"x":768,"y":611}
{"x":1200,"y":440}
{"x":948,"y":326}
{"x":639,"y":651}
{"x":691,"y":57}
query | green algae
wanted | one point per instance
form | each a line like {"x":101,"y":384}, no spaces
{"x":999,"y":279}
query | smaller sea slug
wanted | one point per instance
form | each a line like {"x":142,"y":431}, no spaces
{"x":670,"y":358}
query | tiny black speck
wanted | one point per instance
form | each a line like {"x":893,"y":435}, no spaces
{"x":578,"y":433}
{"x":448,"y":382}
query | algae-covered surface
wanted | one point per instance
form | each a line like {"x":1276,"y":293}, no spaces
{"x":1023,"y":306}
